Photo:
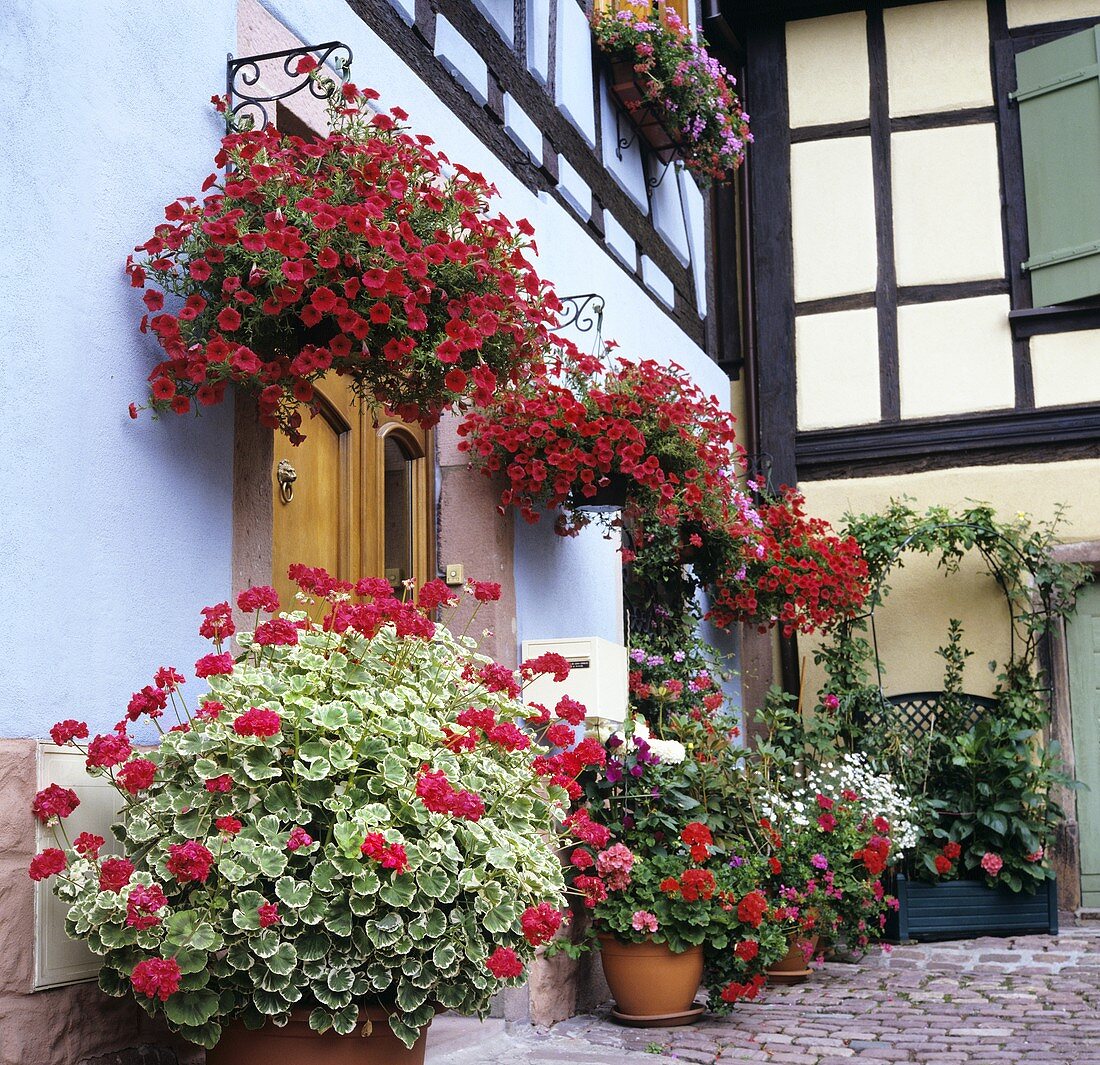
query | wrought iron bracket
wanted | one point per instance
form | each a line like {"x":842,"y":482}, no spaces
{"x":584,"y":312}
{"x":622,"y":143}
{"x":247,"y":109}
{"x":656,"y":182}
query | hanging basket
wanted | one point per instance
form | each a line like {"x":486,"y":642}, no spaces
{"x":608,"y":497}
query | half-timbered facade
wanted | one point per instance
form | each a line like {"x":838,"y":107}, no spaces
{"x":923,"y":206}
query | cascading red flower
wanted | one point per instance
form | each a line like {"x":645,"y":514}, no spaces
{"x":364,"y":252}
{"x":581,"y":423}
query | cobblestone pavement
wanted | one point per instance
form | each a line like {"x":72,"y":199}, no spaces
{"x":1032,"y":999}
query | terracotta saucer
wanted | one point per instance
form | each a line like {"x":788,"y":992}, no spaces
{"x":659,"y":1020}
{"x":792,"y":976}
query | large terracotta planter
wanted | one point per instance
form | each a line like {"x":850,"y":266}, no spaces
{"x":792,"y":967}
{"x":652,"y":985}
{"x":372,"y":1043}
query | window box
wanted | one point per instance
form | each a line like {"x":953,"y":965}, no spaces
{"x":965,"y":909}
{"x":627,"y":88}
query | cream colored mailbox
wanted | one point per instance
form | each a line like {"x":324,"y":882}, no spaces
{"x":598,"y":677}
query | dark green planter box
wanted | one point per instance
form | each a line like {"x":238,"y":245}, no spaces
{"x":965,"y":909}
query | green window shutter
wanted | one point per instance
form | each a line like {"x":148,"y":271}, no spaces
{"x":1058,"y":93}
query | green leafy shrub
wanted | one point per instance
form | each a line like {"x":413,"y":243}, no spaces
{"x":352,"y":814}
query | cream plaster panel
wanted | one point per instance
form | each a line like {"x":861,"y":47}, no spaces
{"x":937,"y":56}
{"x":837,"y":364}
{"x":947,"y":205}
{"x":833,"y":218}
{"x":955,"y":356}
{"x":1066,"y":368}
{"x":914,"y":621}
{"x":1030,"y":12}
{"x":827,"y":73}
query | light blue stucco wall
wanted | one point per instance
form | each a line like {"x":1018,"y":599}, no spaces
{"x":114,"y":532}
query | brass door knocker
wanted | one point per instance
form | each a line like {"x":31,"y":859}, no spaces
{"x":286,"y":476}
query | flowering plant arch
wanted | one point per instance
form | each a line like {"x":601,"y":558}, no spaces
{"x":574,"y":426}
{"x":363,"y":252}
{"x":354,"y":813}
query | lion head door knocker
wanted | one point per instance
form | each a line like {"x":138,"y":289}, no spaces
{"x":286,"y":476}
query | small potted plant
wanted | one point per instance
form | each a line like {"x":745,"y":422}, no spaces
{"x":362,"y":252}
{"x":351,"y":830}
{"x":834,"y":833}
{"x":668,"y":918}
{"x":682,"y":101}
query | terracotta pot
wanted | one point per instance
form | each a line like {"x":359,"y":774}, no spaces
{"x":371,"y":1043}
{"x":647,"y":979}
{"x":792,"y":967}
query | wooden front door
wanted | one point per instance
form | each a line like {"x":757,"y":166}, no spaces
{"x":1083,"y":645}
{"x":361,"y":500}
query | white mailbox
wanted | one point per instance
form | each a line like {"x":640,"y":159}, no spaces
{"x":57,"y":958}
{"x":598,"y":677}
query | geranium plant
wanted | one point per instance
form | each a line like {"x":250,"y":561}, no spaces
{"x":681,"y":890}
{"x":692,"y":94}
{"x":354,"y":813}
{"x":833,"y":835}
{"x":363,"y":252}
{"x":567,"y":431}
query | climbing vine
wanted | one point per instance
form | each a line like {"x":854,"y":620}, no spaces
{"x":982,"y":770}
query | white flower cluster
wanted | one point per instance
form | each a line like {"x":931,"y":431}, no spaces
{"x":881,"y":796}
{"x":671,"y":752}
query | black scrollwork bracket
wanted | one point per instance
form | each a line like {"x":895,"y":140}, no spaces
{"x":758,"y":475}
{"x":248,"y":110}
{"x":584,"y":312}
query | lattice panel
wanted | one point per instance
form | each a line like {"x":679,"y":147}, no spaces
{"x":918,"y":712}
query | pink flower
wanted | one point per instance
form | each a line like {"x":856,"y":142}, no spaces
{"x":540,"y":923}
{"x":49,"y":863}
{"x":109,"y":750}
{"x":504,"y":964}
{"x":257,"y":722}
{"x":261,"y":597}
{"x":614,"y":865}
{"x":156,"y":977}
{"x":54,"y":801}
{"x":276,"y":633}
{"x":67,"y":731}
{"x":137,"y":775}
{"x":298,"y":837}
{"x":189,"y":861}
{"x":214,"y":665}
{"x":142,"y":906}
{"x":88,"y":844}
{"x":992,"y":863}
{"x":222,"y":783}
{"x":115,"y":874}
{"x":644,"y":921}
{"x":268,"y":913}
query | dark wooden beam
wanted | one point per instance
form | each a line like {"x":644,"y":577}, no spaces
{"x":540,"y":107}
{"x":1013,"y":206}
{"x":772,"y":254}
{"x":1040,"y":435}
{"x":886,"y":295}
